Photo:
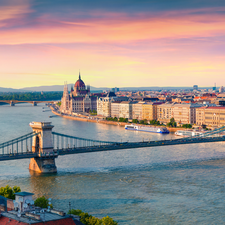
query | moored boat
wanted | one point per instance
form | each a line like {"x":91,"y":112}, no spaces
{"x":189,"y":133}
{"x":161,"y":130}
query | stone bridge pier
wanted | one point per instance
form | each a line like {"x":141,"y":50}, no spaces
{"x":12,"y":103}
{"x":34,"y":103}
{"x":43,"y":145}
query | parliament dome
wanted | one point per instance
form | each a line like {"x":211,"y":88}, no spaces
{"x":79,"y":84}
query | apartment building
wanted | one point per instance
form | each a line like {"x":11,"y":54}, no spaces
{"x":211,"y":116}
{"x":104,"y":104}
{"x":185,"y":113}
{"x":115,"y":109}
{"x":125,"y":110}
{"x":137,"y":110}
{"x":149,"y":110}
{"x":165,"y":112}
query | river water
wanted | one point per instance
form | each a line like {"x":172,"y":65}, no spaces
{"x":161,"y":185}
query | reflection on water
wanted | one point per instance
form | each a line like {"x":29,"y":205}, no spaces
{"x":161,"y":185}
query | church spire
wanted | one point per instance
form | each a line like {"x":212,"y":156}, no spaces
{"x":79,"y":75}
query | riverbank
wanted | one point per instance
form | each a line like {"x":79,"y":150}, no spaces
{"x":99,"y":120}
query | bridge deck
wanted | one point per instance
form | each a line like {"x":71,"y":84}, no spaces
{"x":130,"y":145}
{"x":110,"y":147}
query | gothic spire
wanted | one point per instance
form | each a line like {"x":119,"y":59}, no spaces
{"x":79,"y":75}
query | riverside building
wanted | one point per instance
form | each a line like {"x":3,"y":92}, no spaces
{"x":137,"y":110}
{"x":185,"y":113}
{"x":79,"y":100}
{"x":104,"y":105}
{"x":211,"y":116}
{"x":149,"y":110}
{"x":165,"y":113}
{"x":125,"y":109}
{"x":115,"y":109}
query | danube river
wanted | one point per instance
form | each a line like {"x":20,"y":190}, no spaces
{"x":162,"y":185}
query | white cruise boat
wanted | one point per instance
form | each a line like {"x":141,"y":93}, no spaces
{"x":161,"y":130}
{"x":189,"y":133}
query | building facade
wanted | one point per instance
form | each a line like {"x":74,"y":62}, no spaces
{"x":115,"y":109}
{"x":211,"y":116}
{"x":125,"y":110}
{"x":149,"y":111}
{"x":137,"y":110}
{"x":185,"y":113}
{"x":104,"y":104}
{"x":79,"y":100}
{"x":165,"y":113}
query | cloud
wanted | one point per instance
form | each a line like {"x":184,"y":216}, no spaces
{"x":46,"y":42}
{"x":117,"y":28}
{"x":13,"y":9}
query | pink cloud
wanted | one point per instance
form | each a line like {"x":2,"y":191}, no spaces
{"x":13,"y":9}
{"x":117,"y":28}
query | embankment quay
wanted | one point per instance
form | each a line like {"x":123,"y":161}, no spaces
{"x":99,"y":120}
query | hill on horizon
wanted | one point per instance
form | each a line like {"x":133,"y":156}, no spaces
{"x":94,"y":89}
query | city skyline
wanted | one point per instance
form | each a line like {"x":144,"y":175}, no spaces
{"x":120,"y":43}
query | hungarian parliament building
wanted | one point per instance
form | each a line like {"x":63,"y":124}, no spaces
{"x":78,"y":100}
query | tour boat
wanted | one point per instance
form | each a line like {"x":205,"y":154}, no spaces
{"x":161,"y":130}
{"x":189,"y":133}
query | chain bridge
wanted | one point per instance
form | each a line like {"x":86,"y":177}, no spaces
{"x":13,"y":102}
{"x":42,"y":145}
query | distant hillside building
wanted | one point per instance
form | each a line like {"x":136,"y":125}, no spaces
{"x":79,"y":99}
{"x":221,"y":90}
{"x":195,"y":87}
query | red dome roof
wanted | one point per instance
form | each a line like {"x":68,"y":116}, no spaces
{"x":79,"y":84}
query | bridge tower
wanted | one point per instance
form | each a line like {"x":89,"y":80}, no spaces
{"x":43,"y":145}
{"x":12,"y":103}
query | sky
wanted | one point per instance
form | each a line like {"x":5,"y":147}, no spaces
{"x":119,"y":43}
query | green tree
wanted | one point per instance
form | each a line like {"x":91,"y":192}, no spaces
{"x":108,"y":221}
{"x":87,"y":219}
{"x":135,"y":121}
{"x":187,"y":126}
{"x":42,"y":202}
{"x":54,"y":95}
{"x":9,"y":192}
{"x":144,"y":122}
{"x":121,"y":119}
{"x":154,"y":122}
{"x":93,"y":112}
{"x":172,"y":123}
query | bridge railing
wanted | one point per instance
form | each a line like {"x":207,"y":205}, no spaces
{"x":21,"y":144}
{"x":62,"y":141}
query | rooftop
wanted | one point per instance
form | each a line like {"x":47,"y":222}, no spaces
{"x":39,"y":217}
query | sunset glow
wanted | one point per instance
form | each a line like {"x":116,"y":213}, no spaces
{"x":128,"y":44}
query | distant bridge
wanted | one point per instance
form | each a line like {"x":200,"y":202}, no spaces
{"x":43,"y":146}
{"x":34,"y":103}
